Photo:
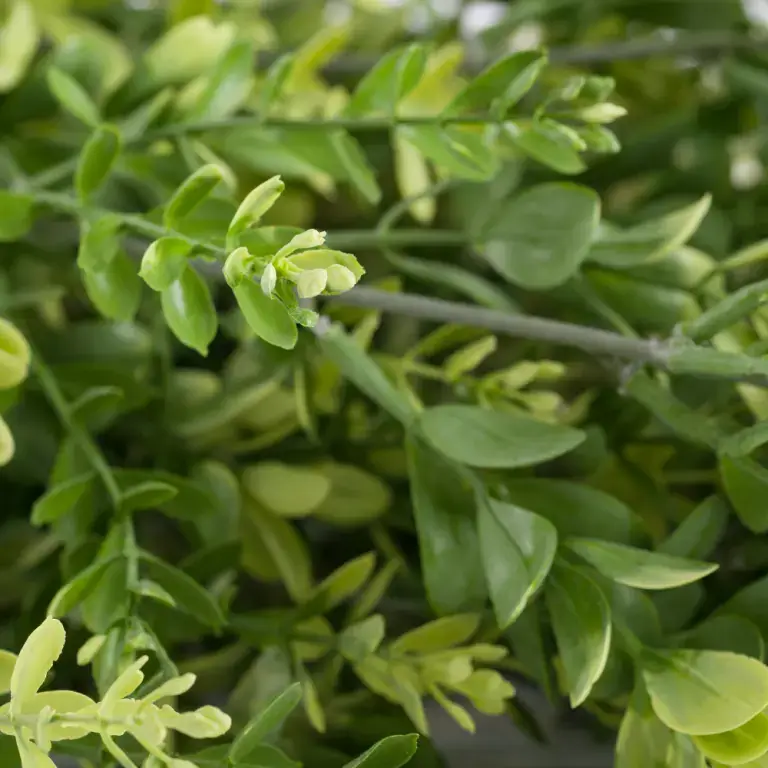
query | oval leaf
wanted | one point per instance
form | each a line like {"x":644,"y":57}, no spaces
{"x":267,"y":317}
{"x":189,"y":311}
{"x":96,"y":160}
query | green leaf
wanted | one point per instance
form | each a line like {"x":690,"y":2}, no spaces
{"x":189,"y":311}
{"x":746,"y":484}
{"x":483,"y":438}
{"x":391,"y":752}
{"x":267,"y":317}
{"x":503,"y":83}
{"x":115,"y":290}
{"x":540,"y":238}
{"x":700,"y":532}
{"x":643,"y":740}
{"x":96,"y":160}
{"x":99,"y":242}
{"x":228,"y":86}
{"x":187,"y":593}
{"x":361,"y":174}
{"x":60,"y":499}
{"x":751,"y":602}
{"x":19,"y":38}
{"x":164,"y":262}
{"x":581,"y":620}
{"x":737,"y":746}
{"x":344,"y":582}
{"x":518,"y":548}
{"x":15,"y":215}
{"x":544,"y":143}
{"x":290,"y":491}
{"x":574,"y":509}
{"x":147,"y":495}
{"x":438,"y":635}
{"x":73,"y":97}
{"x":442,"y":502}
{"x":276,"y":77}
{"x":651,"y":240}
{"x":638,"y":567}
{"x":704,"y":692}
{"x":193,"y":191}
{"x":725,"y":632}
{"x":266,"y":722}
{"x":356,"y":497}
{"x":71,"y":594}
{"x":143,"y":117}
{"x":256,"y":203}
{"x":360,"y":640}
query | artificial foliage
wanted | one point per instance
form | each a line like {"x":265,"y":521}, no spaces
{"x":350,"y":368}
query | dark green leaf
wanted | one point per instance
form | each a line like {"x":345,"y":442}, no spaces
{"x":750,"y":602}
{"x":189,"y":311}
{"x":392,"y":752}
{"x":15,"y":215}
{"x":746,"y":484}
{"x":146,"y":495}
{"x":57,"y":501}
{"x":77,"y":589}
{"x":96,"y":160}
{"x":726,"y":632}
{"x":190,"y":194}
{"x":99,"y":242}
{"x":699,"y":533}
{"x":115,"y":290}
{"x":73,"y":97}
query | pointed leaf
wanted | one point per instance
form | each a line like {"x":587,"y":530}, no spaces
{"x":391,"y":752}
{"x":190,"y":194}
{"x":73,"y":97}
{"x":96,"y":160}
{"x":267,"y":317}
{"x":700,"y":532}
{"x":60,"y":499}
{"x":189,"y":311}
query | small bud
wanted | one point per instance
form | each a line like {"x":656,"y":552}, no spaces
{"x":311,"y":238}
{"x":340,"y":278}
{"x":324,"y":258}
{"x":311,"y":283}
{"x":602,"y":113}
{"x":238,"y":267}
{"x":268,"y":279}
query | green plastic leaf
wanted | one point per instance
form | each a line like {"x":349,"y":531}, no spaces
{"x":542,"y":141}
{"x":99,"y":242}
{"x":60,"y":499}
{"x":189,"y":311}
{"x":442,"y":501}
{"x":483,"y":438}
{"x":651,"y":240}
{"x":266,"y":722}
{"x":700,"y":532}
{"x":705,"y":692}
{"x":267,"y":317}
{"x":164,"y":262}
{"x":518,"y":548}
{"x":115,"y":290}
{"x":15,"y":215}
{"x":19,"y":37}
{"x":73,"y":97}
{"x":638,"y":567}
{"x":746,"y":483}
{"x":193,"y":191}
{"x":391,"y":752}
{"x":147,"y":495}
{"x":290,"y":491}
{"x":504,"y":82}
{"x":438,"y":635}
{"x":740,"y":745}
{"x":581,"y":620}
{"x":96,"y":160}
{"x":540,"y":238}
{"x":228,"y":86}
{"x":361,"y":174}
{"x":188,"y":594}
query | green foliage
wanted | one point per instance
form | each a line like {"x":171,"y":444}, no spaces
{"x":240,"y":453}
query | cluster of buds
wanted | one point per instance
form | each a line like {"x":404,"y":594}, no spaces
{"x":14,"y":367}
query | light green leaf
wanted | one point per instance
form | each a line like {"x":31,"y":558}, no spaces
{"x":164,"y":262}
{"x":751,"y":602}
{"x":19,"y":37}
{"x":704,"y":692}
{"x":189,"y":310}
{"x":746,"y":484}
{"x":60,"y":499}
{"x":483,"y":438}
{"x":193,"y":191}
{"x":256,"y":203}
{"x":73,"y":97}
{"x":99,"y":242}
{"x":638,"y":567}
{"x":469,"y":357}
{"x":7,"y":663}
{"x":35,"y":660}
{"x":700,"y":532}
{"x":738,"y":746}
{"x":344,"y":582}
{"x":649,"y":241}
{"x":356,"y":497}
{"x":539,"y":239}
{"x":362,"y":639}
{"x":146,"y":495}
{"x":71,"y":594}
{"x":115,"y":290}
{"x":96,"y":160}
{"x":15,"y":215}
{"x":361,"y":174}
{"x":276,"y":77}
{"x":438,"y":635}
{"x":581,"y":620}
{"x":391,"y":752}
{"x":288,"y":490}
{"x":268,"y":720}
{"x":144,"y":116}
{"x":643,"y":740}
{"x":267,"y":317}
{"x":544,"y":143}
{"x":442,"y":502}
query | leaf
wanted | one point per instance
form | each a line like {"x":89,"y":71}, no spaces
{"x":99,"y":242}
{"x":15,"y":214}
{"x":19,"y":38}
{"x":267,"y":317}
{"x":700,"y":532}
{"x":574,"y":509}
{"x":290,"y":491}
{"x":146,"y":495}
{"x":504,"y":82}
{"x":359,"y":171}
{"x":265,"y":723}
{"x":344,"y":582}
{"x":96,"y":160}
{"x":164,"y":262}
{"x":651,"y":240}
{"x":542,"y":141}
{"x":7,"y":663}
{"x":751,"y":602}
{"x":581,"y":620}
{"x":391,"y":752}
{"x":482,"y":438}
{"x":725,"y":632}
{"x":35,"y":660}
{"x":71,"y":594}
{"x":73,"y":97}
{"x":276,"y":77}
{"x":443,"y":504}
{"x":438,"y":635}
{"x":60,"y":499}
{"x":704,"y":692}
{"x":528,"y":643}
{"x":188,"y":594}
{"x":189,"y":311}
{"x":192,"y":501}
{"x":746,"y":484}
{"x":358,"y":641}
{"x":737,"y":746}
{"x":518,"y":548}
{"x":193,"y":191}
{"x":115,"y":291}
{"x":540,"y":238}
{"x":356,"y":497}
{"x":638,"y":567}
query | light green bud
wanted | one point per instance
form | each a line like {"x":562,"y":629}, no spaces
{"x":255,"y":205}
{"x":311,"y":238}
{"x":239,"y":266}
{"x":340,"y":278}
{"x":602,"y":113}
{"x":268,"y":279}
{"x":323,"y":258}
{"x":311,"y":283}
{"x":14,"y":355}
